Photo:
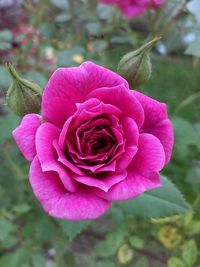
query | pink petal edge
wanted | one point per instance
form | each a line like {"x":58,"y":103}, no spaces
{"x":24,"y":135}
{"x":59,"y":203}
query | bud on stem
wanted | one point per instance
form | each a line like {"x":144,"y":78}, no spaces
{"x":23,"y":96}
{"x":135,"y":66}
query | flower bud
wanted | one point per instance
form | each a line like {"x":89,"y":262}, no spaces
{"x":23,"y":96}
{"x":135,"y":66}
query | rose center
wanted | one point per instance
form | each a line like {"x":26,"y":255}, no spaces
{"x":98,"y":144}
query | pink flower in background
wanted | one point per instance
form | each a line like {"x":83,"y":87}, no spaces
{"x":96,"y":142}
{"x":157,"y":3}
{"x":133,"y":8}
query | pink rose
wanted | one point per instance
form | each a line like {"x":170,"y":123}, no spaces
{"x":96,"y":142}
{"x":133,"y":8}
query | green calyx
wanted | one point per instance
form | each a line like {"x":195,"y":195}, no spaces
{"x":135,"y":66}
{"x":23,"y":96}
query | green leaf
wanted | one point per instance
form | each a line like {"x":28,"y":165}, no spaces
{"x":105,"y":12}
{"x":5,"y":228}
{"x":190,"y":252}
{"x":63,"y":17}
{"x":45,"y":229}
{"x":142,"y":262}
{"x":38,"y":260}
{"x":136,"y":242}
{"x":193,"y":175}
{"x":113,"y":240}
{"x":93,"y":28}
{"x":48,"y":29}
{"x":10,"y":241}
{"x":11,"y":259}
{"x":193,"y":227}
{"x":22,"y":208}
{"x":106,"y":263}
{"x":161,"y":202}
{"x":185,"y":133}
{"x":175,"y":262}
{"x":186,"y":136}
{"x":72,"y":229}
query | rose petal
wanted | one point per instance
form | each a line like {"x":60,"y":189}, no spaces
{"x":133,"y":11}
{"x":101,"y":182}
{"x":129,"y":8}
{"x":99,"y":167}
{"x":61,"y":204}
{"x":150,"y":155}
{"x":131,"y":136}
{"x":68,"y":86}
{"x":165,"y":133}
{"x":86,"y":111}
{"x":44,"y":144}
{"x":154,"y":111}
{"x":116,"y":151}
{"x":82,"y":115}
{"x":24,"y":135}
{"x":123,"y":99}
{"x":156,"y":122}
{"x":45,"y":136}
{"x":142,"y":171}
{"x":132,"y":186}
{"x":64,"y":160}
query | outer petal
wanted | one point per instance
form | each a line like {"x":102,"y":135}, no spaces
{"x":164,"y":132}
{"x":121,"y":98}
{"x":154,"y":110}
{"x":150,"y":155}
{"x":45,"y":136}
{"x":44,"y":139}
{"x":134,"y":185}
{"x":61,"y":204}
{"x":157,"y":122}
{"x":68,"y":86}
{"x":24,"y":135}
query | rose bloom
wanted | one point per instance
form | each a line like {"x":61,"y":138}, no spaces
{"x":96,"y":142}
{"x":133,"y":8}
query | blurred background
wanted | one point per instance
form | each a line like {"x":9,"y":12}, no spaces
{"x":38,"y":36}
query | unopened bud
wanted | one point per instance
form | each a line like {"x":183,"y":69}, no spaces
{"x":23,"y":96}
{"x":135,"y":66}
